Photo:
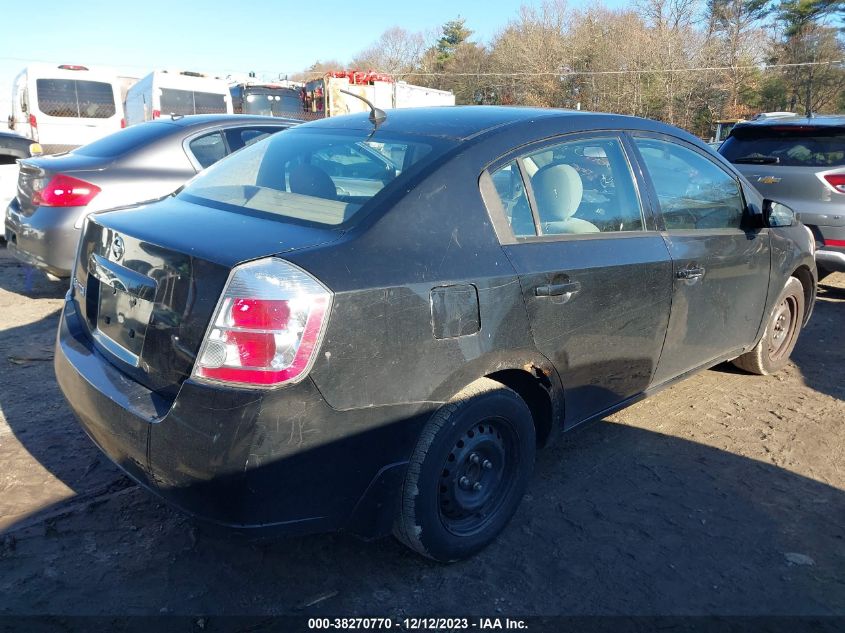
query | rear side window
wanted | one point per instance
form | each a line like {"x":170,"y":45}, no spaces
{"x":581,"y":186}
{"x":208,"y":149}
{"x":786,"y":145}
{"x":694,"y":192}
{"x":511,"y":189}
{"x":316,"y":177}
{"x":75,"y":98}
{"x":190,"y":102}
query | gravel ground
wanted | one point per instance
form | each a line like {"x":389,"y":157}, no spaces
{"x":724,"y":494}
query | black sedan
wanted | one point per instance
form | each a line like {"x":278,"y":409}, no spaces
{"x":372,"y":328}
{"x":143,"y":162}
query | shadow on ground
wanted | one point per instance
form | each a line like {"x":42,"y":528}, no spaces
{"x":618,"y":520}
{"x":820,"y":353}
{"x":30,"y":282}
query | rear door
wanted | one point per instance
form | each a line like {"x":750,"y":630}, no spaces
{"x":720,"y":269}
{"x":596,"y":276}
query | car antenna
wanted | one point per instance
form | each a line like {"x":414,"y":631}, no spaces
{"x":377,"y":115}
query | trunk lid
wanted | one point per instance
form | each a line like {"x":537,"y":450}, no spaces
{"x":149,"y":278}
{"x":35,"y":173}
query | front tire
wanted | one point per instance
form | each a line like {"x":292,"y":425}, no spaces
{"x":772,"y":353}
{"x":468,"y":473}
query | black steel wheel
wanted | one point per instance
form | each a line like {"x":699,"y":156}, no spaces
{"x":476,"y":476}
{"x":783,"y":325}
{"x":468,"y":473}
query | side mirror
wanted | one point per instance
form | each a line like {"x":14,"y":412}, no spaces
{"x":776,"y":214}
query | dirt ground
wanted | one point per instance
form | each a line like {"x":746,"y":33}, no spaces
{"x":724,"y":494}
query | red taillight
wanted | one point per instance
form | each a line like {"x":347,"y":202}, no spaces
{"x":259,"y":314}
{"x":33,"y":122}
{"x":267,"y":327}
{"x":156,"y":114}
{"x":838,"y":243}
{"x":837,"y":181}
{"x":64,"y":191}
{"x":122,"y":123}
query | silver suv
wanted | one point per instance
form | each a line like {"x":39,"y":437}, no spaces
{"x":799,"y":161}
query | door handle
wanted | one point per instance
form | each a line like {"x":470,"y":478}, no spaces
{"x":691,"y":272}
{"x":556,"y":290}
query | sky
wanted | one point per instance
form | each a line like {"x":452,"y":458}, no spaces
{"x":222,"y":36}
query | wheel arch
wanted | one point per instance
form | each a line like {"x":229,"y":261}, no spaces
{"x":534,"y":387}
{"x":527,"y":372}
{"x":808,"y":282}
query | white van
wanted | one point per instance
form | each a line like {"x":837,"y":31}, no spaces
{"x":63,"y":107}
{"x":162,"y":93}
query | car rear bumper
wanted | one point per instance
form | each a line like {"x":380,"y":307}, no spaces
{"x":831,"y":260}
{"x":830,"y":246}
{"x":46,"y":239}
{"x":282,"y":460}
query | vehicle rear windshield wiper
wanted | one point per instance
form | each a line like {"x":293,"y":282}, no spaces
{"x":759,"y":160}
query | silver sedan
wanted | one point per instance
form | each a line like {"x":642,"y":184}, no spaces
{"x":141,"y":163}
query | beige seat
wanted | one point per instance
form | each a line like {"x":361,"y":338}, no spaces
{"x":558,"y":190}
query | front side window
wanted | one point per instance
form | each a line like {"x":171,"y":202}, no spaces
{"x":580,"y":186}
{"x":241,"y":137}
{"x":322,"y":177}
{"x":694,"y":193}
{"x":75,"y":98}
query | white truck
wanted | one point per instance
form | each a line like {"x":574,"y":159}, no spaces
{"x":162,"y":93}
{"x":323,"y":97}
{"x":63,"y":107}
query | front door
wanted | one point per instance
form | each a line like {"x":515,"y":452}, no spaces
{"x":720,"y":269}
{"x":595,"y":275}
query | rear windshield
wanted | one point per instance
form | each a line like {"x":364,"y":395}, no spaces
{"x":122,"y":141}
{"x":789,"y":146}
{"x":191,"y":102}
{"x":75,"y":98}
{"x":317,"y":177}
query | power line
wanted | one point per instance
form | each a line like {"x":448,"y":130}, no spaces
{"x":564,"y":72}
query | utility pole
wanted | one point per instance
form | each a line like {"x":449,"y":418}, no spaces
{"x":808,"y":102}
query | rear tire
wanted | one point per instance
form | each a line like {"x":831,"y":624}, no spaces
{"x":468,"y":472}
{"x":772,"y":353}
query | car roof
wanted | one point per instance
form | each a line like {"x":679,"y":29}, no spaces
{"x":465,"y":122}
{"x":797,"y":120}
{"x":199,"y":120}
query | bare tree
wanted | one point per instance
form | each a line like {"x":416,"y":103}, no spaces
{"x":397,"y":52}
